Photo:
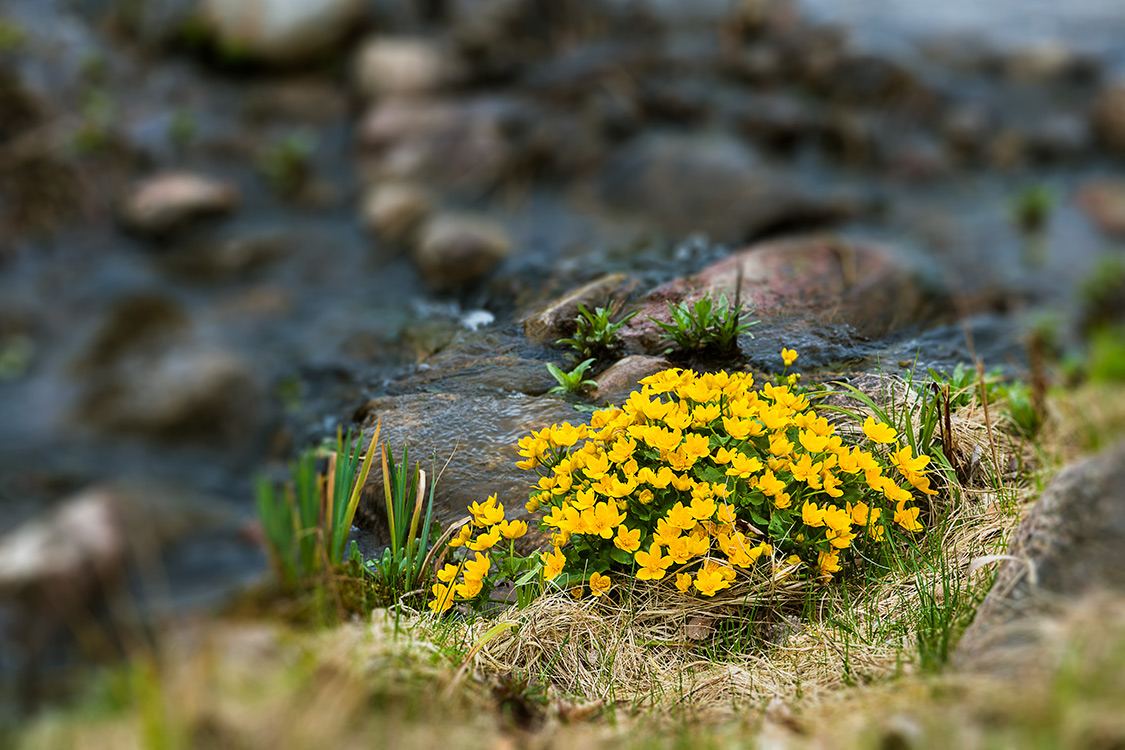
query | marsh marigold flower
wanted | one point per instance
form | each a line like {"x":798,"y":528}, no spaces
{"x":788,"y":356}
{"x":879,"y":432}
{"x":599,"y":584}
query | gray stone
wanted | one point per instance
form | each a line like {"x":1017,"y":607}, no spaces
{"x":457,"y":249}
{"x":1071,"y":544}
{"x":281,"y":31}
{"x":169,"y":201}
{"x":392,"y":211}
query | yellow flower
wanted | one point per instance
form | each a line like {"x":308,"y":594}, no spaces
{"x":702,"y":509}
{"x":812,"y":442}
{"x":860,"y":513}
{"x":742,"y":466}
{"x":532,"y":505}
{"x":469,"y":588}
{"x":683,"y":582}
{"x":831,"y":484}
{"x":477,"y":567}
{"x":770,"y":485}
{"x":448,"y":573}
{"x":680,"y":550}
{"x":701,"y":416}
{"x":512,"y":529}
{"x":788,"y":356}
{"x":665,"y":532}
{"x":907,"y":518}
{"x":443,"y":598}
{"x":552,"y":563}
{"x":599,"y":584}
{"x":828,"y":563}
{"x":879,"y":432}
{"x":782,"y":501}
{"x":627,"y":539}
{"x":811,"y":514}
{"x":741,"y":428}
{"x":709,"y":582}
{"x":696,"y":446}
{"x":602,"y":519}
{"x":622,"y":450}
{"x":681,"y":517}
{"x":725,"y":514}
{"x":653,"y":564}
{"x":644,"y":496}
{"x":780,"y":445}
{"x":661,"y":439}
{"x":565,"y":435}
{"x":487,"y":513}
{"x":804,"y":470}
{"x":461,"y":538}
{"x":485,"y":540}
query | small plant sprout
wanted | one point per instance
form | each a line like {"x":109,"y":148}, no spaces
{"x":574,"y":381}
{"x":1031,"y":209}
{"x":287,"y":162}
{"x":595,"y":337}
{"x":706,"y":327}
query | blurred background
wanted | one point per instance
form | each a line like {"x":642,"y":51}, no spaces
{"x":226,"y":226}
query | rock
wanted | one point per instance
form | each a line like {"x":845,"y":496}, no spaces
{"x":483,"y":362}
{"x":556,"y":321}
{"x":479,"y":432}
{"x":58,"y":562}
{"x":1109,"y":117}
{"x":1104,"y":202}
{"x":1071,"y":544}
{"x":1058,"y":137}
{"x":392,"y":211}
{"x":281,"y":31}
{"x":189,"y":393}
{"x":457,"y":249}
{"x":716,"y":185}
{"x":822,"y":279}
{"x":166,"y":202}
{"x":396,"y":66}
{"x":225,"y":258}
{"x":780,"y":121}
{"x":1049,"y":62}
{"x":459,"y":146}
{"x":623,"y":376}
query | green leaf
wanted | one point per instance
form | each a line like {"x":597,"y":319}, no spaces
{"x":621,"y":556}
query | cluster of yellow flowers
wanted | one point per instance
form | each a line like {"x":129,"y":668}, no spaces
{"x":707,"y":474}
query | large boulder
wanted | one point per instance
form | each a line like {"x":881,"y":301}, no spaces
{"x":281,"y":31}
{"x":825,"y":280}
{"x":1070,"y":545}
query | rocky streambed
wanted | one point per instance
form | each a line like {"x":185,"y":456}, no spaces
{"x":228,"y":229}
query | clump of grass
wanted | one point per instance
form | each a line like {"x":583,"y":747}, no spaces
{"x":287,"y":162}
{"x":573,"y":382}
{"x":306,"y":521}
{"x":595,"y":337}
{"x":707,"y":327}
{"x":1032,"y":207}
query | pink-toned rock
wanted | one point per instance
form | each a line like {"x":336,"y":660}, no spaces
{"x":824,"y":279}
{"x":556,"y":320}
{"x":1104,"y":202}
{"x":615,"y":384}
{"x":168,"y":201}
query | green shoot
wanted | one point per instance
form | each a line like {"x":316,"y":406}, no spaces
{"x":574,"y":381}
{"x":594,"y":336}
{"x":706,"y":327}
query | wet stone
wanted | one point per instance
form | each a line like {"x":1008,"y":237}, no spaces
{"x":284,"y":32}
{"x":557,"y":320}
{"x":166,"y":202}
{"x":624,"y":376}
{"x":1104,"y":202}
{"x":403,"y":66}
{"x":457,"y":249}
{"x":479,"y":432}
{"x":392,"y":211}
{"x":1109,"y":117}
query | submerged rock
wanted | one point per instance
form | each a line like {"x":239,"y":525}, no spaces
{"x":478,"y":435}
{"x":826,"y":280}
{"x":1071,"y":544}
{"x":456,"y":249}
{"x":166,"y":202}
{"x":281,"y":31}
